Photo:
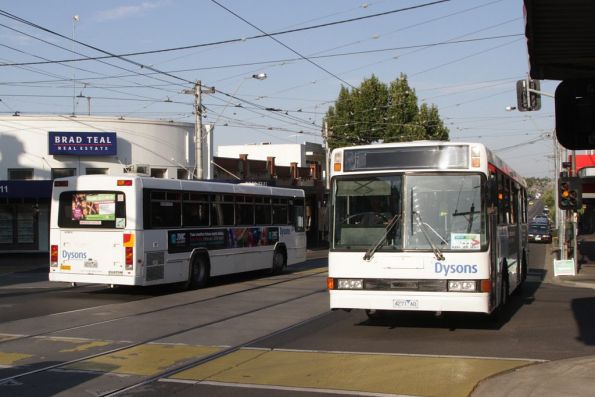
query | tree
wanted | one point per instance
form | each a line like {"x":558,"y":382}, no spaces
{"x":375,"y":112}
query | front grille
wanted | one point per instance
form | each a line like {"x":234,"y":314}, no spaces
{"x":404,"y":285}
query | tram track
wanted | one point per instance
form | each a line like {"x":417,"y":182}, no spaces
{"x":160,"y":310}
{"x":208,"y":358}
{"x":156,"y":339}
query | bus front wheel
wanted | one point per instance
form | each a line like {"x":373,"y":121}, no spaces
{"x":199,"y":273}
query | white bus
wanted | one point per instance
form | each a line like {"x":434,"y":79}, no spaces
{"x":425,"y":226}
{"x":134,"y":230}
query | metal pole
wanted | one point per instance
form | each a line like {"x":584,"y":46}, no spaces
{"x":327,"y":165}
{"x":198,"y":129}
{"x":75,"y":19}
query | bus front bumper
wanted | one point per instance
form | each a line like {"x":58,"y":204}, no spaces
{"x":410,"y":301}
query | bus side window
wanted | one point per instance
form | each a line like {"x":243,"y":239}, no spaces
{"x":222,"y":211}
{"x":262,"y":209}
{"x":165,"y":209}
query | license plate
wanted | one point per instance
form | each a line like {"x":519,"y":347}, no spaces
{"x":405,"y":303}
{"x":91,"y":263}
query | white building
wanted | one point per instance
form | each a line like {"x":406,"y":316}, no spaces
{"x":36,"y":149}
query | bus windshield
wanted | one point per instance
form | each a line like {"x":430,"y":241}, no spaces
{"x":444,"y":212}
{"x":363,"y":208}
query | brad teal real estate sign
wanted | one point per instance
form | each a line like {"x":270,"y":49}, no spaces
{"x":82,"y":143}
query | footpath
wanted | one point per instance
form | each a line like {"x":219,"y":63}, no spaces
{"x":560,"y":378}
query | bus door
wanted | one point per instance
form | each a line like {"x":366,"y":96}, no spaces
{"x":495,"y":249}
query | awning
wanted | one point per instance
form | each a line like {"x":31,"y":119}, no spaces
{"x":25,"y":189}
{"x":560,"y":38}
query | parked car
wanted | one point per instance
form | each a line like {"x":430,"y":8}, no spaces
{"x":540,"y":232}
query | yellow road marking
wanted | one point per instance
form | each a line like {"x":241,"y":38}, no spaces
{"x":146,"y":360}
{"x":12,"y":358}
{"x":85,"y":346}
{"x":375,"y":373}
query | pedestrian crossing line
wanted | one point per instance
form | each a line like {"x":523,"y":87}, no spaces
{"x":355,"y":372}
{"x":145,"y":360}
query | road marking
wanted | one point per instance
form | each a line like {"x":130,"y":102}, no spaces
{"x":7,"y":337}
{"x":147,"y":360}
{"x":285,"y":388}
{"x":10,"y":359}
{"x":354,"y":372}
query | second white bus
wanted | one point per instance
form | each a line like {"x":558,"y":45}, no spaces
{"x":133,"y":230}
{"x":425,"y":226}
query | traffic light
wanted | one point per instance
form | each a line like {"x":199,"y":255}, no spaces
{"x":528,"y":100}
{"x":570,"y":193}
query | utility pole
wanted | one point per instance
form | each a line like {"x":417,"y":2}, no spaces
{"x":327,"y":150}
{"x":198,"y":130}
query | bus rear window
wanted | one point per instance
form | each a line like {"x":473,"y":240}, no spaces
{"x":92,"y":209}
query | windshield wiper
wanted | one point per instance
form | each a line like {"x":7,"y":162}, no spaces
{"x":422,"y":226}
{"x":372,"y":250}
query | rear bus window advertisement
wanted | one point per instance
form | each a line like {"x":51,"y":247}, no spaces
{"x":94,"y":207}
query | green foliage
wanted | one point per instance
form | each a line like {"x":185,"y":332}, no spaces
{"x":375,"y":112}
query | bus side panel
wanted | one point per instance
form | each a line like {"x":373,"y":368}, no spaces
{"x":157,"y":265}
{"x":295,"y":242}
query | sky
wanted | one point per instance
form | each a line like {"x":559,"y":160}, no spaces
{"x":464,"y":56}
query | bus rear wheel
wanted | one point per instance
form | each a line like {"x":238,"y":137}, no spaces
{"x":199,"y":272}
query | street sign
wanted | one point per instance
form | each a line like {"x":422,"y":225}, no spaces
{"x":564,"y":267}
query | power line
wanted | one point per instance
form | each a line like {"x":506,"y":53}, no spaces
{"x":241,"y":39}
{"x":283,"y":44}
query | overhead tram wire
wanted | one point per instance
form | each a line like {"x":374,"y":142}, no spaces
{"x":243,"y":38}
{"x":36,"y":26}
{"x":26,"y":22}
{"x":82,"y":80}
{"x":283,"y":44}
{"x":215,"y":67}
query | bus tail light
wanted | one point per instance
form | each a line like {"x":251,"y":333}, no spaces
{"x":53,"y":256}
{"x":61,"y":183}
{"x":330,"y":283}
{"x":128,"y":242}
{"x":129,"y":258}
{"x":124,"y":182}
{"x":486,"y":286}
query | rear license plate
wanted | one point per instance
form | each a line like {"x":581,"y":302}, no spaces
{"x":91,"y":263}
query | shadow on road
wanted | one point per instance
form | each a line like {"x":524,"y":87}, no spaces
{"x":584,"y":314}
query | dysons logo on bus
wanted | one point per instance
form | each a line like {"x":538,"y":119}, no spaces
{"x":447,"y":269}
{"x":74,"y":255}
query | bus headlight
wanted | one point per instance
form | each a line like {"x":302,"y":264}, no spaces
{"x":350,"y":283}
{"x":462,"y":285}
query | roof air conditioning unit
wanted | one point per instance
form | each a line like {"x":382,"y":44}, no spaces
{"x":140,"y":169}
